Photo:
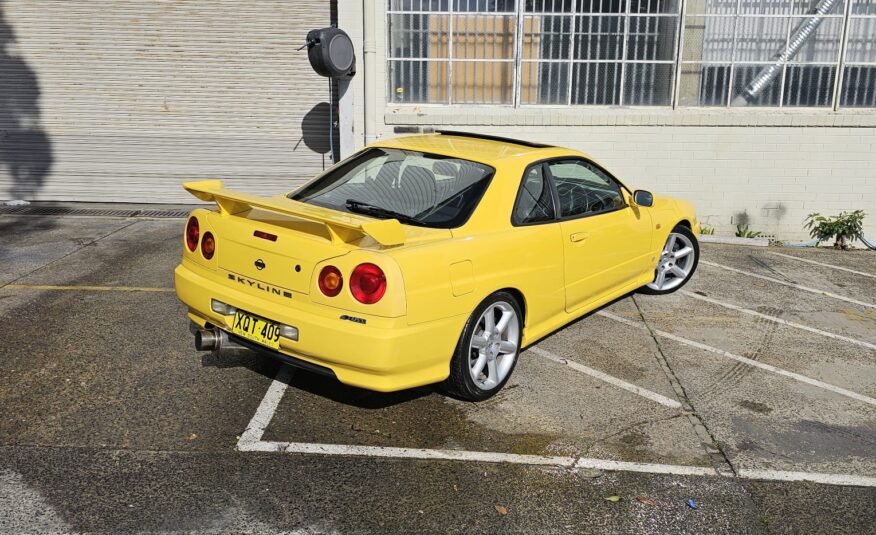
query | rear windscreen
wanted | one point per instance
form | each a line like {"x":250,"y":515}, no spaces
{"x":429,"y":189}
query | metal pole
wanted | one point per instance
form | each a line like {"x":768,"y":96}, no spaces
{"x":345,"y":119}
{"x":803,"y":31}
{"x":518,"y":55}
{"x":841,"y":60}
{"x":679,"y":52}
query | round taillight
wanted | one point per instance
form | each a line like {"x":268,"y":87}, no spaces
{"x":330,"y":281}
{"x":192,"y":233}
{"x":367,"y":283}
{"x":208,"y":245}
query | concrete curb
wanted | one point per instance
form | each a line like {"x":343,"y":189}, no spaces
{"x":734,"y":240}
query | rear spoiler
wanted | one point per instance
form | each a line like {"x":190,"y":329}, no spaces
{"x":340,"y":227}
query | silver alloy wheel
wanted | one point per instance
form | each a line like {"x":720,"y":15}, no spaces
{"x":493,"y":348}
{"x":676,"y":262}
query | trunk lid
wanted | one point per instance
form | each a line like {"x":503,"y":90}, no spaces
{"x":306,"y":235}
{"x":286,"y":262}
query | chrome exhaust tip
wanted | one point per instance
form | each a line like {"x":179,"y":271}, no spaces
{"x":215,"y":339}
{"x":206,"y":340}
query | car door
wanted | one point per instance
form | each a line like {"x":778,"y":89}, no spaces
{"x":538,"y":255}
{"x":606,"y":240}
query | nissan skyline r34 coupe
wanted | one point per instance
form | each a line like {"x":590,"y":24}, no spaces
{"x":426,"y":259}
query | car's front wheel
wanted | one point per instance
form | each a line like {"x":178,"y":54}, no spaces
{"x":677,"y":263}
{"x":487,"y":350}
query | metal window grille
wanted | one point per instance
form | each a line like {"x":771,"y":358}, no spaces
{"x":816,"y":53}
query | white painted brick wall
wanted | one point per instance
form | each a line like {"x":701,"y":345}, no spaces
{"x":727,"y":162}
{"x":774,"y":175}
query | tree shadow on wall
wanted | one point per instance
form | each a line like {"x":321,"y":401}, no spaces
{"x":25,"y":149}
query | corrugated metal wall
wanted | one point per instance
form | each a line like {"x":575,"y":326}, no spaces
{"x":124,"y":100}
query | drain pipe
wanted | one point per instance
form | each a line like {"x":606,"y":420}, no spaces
{"x":369,"y":50}
{"x":798,"y":38}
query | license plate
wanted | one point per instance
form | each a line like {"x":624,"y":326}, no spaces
{"x":259,"y":330}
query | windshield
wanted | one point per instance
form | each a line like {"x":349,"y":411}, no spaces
{"x":413,"y":187}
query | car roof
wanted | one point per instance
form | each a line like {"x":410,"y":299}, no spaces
{"x":477,"y":147}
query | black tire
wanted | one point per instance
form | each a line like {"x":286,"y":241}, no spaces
{"x":459,"y":383}
{"x":679,"y":229}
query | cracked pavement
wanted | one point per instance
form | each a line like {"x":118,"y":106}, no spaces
{"x":110,"y":421}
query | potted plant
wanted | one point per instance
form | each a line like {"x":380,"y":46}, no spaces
{"x":845,"y":228}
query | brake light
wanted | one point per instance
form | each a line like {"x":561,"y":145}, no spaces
{"x":330,"y":281}
{"x":192,"y":233}
{"x":208,"y":245}
{"x":264,"y":235}
{"x":367,"y":283}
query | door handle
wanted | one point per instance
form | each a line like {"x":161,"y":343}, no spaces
{"x":578,"y":236}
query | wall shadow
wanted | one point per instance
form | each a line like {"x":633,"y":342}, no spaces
{"x":315,"y":128}
{"x":25,"y":149}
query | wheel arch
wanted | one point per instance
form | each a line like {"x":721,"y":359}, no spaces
{"x":460,"y":382}
{"x":518,"y":296}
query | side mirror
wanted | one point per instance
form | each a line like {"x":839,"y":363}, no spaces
{"x":643,"y":198}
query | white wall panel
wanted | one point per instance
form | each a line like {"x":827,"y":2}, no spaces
{"x":124,"y":100}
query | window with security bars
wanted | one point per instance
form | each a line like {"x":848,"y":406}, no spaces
{"x":814,"y":53}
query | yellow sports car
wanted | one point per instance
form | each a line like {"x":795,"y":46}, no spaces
{"x":425,"y":259}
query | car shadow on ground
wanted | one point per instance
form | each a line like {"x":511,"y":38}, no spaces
{"x":586,"y":316}
{"x":332,"y":389}
{"x":313,"y":383}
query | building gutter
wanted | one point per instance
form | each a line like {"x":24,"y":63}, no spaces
{"x":369,"y":51}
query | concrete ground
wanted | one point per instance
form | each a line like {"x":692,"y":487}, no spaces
{"x":751,"y":393}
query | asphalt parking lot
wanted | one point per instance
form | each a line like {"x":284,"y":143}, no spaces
{"x":750,"y":395}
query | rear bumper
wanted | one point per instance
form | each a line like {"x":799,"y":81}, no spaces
{"x":385,"y":354}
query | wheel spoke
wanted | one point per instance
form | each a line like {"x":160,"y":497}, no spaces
{"x":678,"y":272}
{"x":684,"y":251}
{"x":489,"y":321}
{"x":661,"y":276}
{"x":479,"y":365}
{"x":479,"y":341}
{"x":492,"y":372}
{"x":503,"y":321}
{"x":507,"y":347}
{"x":670,"y":244}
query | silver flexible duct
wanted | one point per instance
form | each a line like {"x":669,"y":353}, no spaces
{"x":795,"y":43}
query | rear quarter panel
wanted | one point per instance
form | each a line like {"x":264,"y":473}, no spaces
{"x":440,"y":283}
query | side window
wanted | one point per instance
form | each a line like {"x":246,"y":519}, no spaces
{"x":535,"y":203}
{"x":584,"y":189}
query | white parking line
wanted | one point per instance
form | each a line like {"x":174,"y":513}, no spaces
{"x":778,"y":320}
{"x":250,"y":441}
{"x":407,"y":453}
{"x":629,"y":387}
{"x":265,"y":412}
{"x":478,"y":456}
{"x":790,"y":284}
{"x":840,"y":268}
{"x":744,"y":360}
{"x":815,"y":477}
